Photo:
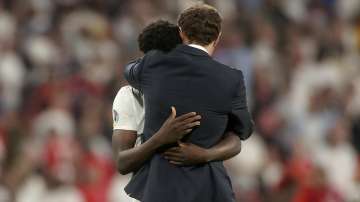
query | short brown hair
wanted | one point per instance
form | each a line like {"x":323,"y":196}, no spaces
{"x":201,"y":24}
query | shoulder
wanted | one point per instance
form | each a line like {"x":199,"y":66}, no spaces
{"x":150,"y":58}
{"x":126,"y":113}
{"x":135,"y":66}
{"x":124,"y":91}
{"x":124,"y":95}
{"x":231,"y":72}
{"x":153,"y":54}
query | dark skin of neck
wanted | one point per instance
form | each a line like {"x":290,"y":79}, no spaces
{"x":130,"y":158}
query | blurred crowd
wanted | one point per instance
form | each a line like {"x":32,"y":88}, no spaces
{"x":61,"y":64}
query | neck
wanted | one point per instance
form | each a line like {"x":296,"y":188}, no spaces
{"x":209,"y":48}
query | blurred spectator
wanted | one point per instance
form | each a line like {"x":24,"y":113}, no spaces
{"x":56,"y":117}
{"x":336,"y":151}
{"x":58,"y":167}
{"x":317,"y":189}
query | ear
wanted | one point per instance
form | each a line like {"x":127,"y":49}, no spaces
{"x":183,"y":36}
{"x":217,"y":40}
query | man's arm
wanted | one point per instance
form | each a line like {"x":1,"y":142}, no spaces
{"x":227,"y":148}
{"x":130,"y":158}
{"x":132,"y":72}
{"x":240,"y":121}
{"x":191,"y":154}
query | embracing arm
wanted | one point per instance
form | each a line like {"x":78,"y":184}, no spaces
{"x":130,"y":158}
{"x":227,"y":148}
{"x":191,"y":154}
{"x":132,"y":72}
{"x":240,"y":126}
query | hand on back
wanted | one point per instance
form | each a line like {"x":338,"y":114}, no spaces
{"x":175,"y":128}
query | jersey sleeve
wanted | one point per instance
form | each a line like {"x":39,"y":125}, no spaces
{"x":124,"y":117}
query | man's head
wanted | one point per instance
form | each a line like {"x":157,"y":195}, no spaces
{"x":160,"y":35}
{"x":200,"y":24}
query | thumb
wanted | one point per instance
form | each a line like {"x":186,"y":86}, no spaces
{"x":173,"y":112}
{"x":181,"y":144}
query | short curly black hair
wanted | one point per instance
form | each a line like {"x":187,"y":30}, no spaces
{"x":160,"y":35}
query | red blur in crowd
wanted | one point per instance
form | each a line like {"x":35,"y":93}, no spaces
{"x":316,"y":189}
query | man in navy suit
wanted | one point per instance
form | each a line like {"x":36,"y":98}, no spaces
{"x":189,"y":79}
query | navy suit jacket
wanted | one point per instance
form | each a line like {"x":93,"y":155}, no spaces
{"x":190,"y":80}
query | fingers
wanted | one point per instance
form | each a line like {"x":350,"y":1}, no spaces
{"x":173,"y":112}
{"x":172,"y":115}
{"x":184,"y":132}
{"x":184,"y":123}
{"x":174,"y":159}
{"x":181,"y":144}
{"x":190,"y":125}
{"x":173,"y":149}
{"x":178,"y":163}
{"x":173,"y":154}
{"x":192,"y":119}
{"x":185,"y":116}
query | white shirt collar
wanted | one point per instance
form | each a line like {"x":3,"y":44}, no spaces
{"x":198,"y":47}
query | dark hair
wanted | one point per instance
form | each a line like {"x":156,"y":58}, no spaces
{"x":160,"y":35}
{"x":201,"y":24}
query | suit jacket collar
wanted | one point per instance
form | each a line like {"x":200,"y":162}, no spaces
{"x":191,"y":50}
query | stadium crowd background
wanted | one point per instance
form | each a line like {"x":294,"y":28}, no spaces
{"x":61,"y":64}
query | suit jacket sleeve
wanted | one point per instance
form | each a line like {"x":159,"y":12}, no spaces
{"x":132,"y":73}
{"x":240,"y":120}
